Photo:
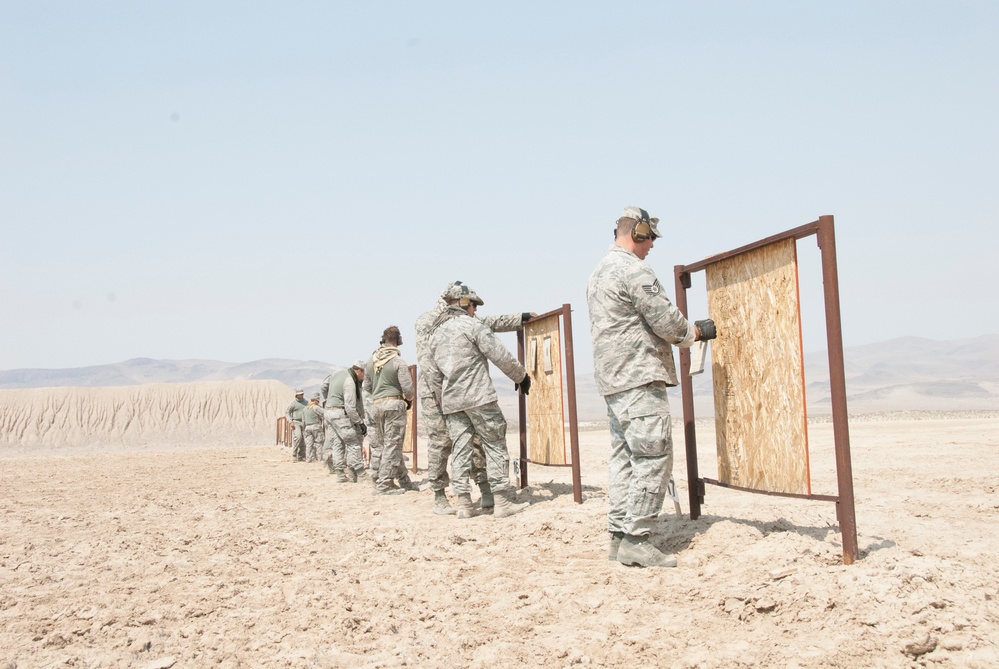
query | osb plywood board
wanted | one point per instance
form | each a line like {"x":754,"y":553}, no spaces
{"x":407,"y":443}
{"x":757,"y":370}
{"x":545,"y":420}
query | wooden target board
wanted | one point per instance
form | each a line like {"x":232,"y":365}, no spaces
{"x":757,"y":369}
{"x":546,"y":419}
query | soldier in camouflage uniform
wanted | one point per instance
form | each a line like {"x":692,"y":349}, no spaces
{"x":387,"y":379}
{"x":344,"y":421}
{"x":439,"y":441}
{"x":633,"y":324}
{"x":295,"y":415}
{"x":312,"y":417}
{"x":461,"y":346}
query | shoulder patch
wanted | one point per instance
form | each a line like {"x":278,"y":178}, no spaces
{"x":654,"y":289}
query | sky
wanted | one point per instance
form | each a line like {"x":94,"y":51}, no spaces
{"x":245,"y":180}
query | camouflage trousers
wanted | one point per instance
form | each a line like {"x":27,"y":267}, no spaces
{"x":641,"y":458}
{"x":342,"y":448}
{"x":488,"y":424}
{"x":313,"y":441}
{"x":297,"y":441}
{"x":439,"y":446}
{"x":385,"y":440}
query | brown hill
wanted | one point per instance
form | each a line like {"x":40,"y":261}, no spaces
{"x":220,"y":412}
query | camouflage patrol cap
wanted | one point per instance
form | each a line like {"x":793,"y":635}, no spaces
{"x":639,"y":214}
{"x":454,"y":290}
{"x":299,"y":391}
{"x":359,"y":364}
{"x":315,"y":396}
{"x":457,"y":290}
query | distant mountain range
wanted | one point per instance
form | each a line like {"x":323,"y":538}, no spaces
{"x":905,"y":373}
{"x":139,"y":371}
{"x":913,"y":373}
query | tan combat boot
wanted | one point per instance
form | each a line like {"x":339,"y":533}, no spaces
{"x":506,"y":504}
{"x":441,"y":505}
{"x":389,"y":488}
{"x":488,"y":501}
{"x":464,"y":504}
{"x":639,"y":552}
{"x":341,"y":476}
{"x":408,"y":484}
{"x":615,"y":544}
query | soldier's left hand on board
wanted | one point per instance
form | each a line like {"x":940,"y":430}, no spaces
{"x":525,"y":385}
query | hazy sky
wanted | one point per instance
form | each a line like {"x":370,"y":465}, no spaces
{"x":244,"y":180}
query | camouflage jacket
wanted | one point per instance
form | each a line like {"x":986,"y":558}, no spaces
{"x":461,"y":349}
{"x":505,"y":323}
{"x":632,"y":324}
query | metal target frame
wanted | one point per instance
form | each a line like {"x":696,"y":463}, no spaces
{"x":569,"y":366}
{"x":845,"y":509}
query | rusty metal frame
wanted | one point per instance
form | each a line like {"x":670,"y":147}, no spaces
{"x":285,"y":432}
{"x":570,"y":377}
{"x":416,"y":430}
{"x":823,"y":228}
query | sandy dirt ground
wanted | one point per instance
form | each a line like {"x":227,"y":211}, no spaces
{"x":193,"y":555}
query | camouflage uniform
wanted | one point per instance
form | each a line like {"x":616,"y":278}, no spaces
{"x":439,"y":442}
{"x":391,"y":390}
{"x":313,"y":420}
{"x":460,"y":349}
{"x":632,"y":324}
{"x":344,"y":411}
{"x":294,"y":415}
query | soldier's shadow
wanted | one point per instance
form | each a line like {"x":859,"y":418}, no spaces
{"x":676,"y":533}
{"x":537,"y":493}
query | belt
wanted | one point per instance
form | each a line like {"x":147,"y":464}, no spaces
{"x":386,"y":399}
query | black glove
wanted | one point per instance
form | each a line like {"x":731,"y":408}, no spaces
{"x":361,"y":428}
{"x":525,"y":385}
{"x":409,"y":404}
{"x":707,"y":329}
{"x":526,"y":316}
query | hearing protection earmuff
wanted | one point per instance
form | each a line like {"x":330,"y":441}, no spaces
{"x":642,"y":230}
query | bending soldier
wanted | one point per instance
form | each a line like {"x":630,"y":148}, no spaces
{"x":439,"y":441}
{"x":461,"y":347}
{"x":344,"y":421}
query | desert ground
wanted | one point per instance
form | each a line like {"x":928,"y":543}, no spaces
{"x":213,"y":548}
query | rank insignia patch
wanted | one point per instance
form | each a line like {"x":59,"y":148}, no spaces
{"x":653,"y":289}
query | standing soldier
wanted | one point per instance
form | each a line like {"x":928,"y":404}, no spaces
{"x":313,"y":420}
{"x":439,"y":441}
{"x":387,"y":379}
{"x":461,"y":348}
{"x":633,"y":324}
{"x":344,"y":422}
{"x":295,"y":415}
